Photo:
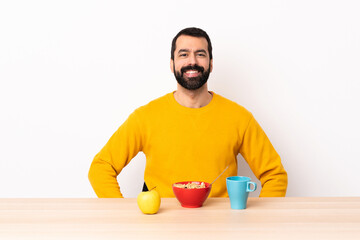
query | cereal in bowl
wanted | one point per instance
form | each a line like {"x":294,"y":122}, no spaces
{"x":192,"y":185}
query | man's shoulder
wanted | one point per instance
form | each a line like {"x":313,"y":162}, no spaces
{"x":230,"y":105}
{"x":155,"y":104}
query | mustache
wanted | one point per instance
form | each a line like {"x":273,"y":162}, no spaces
{"x":192,"y":67}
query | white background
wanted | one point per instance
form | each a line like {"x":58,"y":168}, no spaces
{"x":72,"y":71}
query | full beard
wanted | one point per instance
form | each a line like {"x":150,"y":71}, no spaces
{"x":192,"y":83}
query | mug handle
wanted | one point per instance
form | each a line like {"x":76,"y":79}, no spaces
{"x":248,"y":188}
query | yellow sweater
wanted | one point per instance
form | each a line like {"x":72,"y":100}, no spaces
{"x":189,"y":144}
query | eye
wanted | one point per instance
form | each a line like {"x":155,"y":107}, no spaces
{"x":183,"y":55}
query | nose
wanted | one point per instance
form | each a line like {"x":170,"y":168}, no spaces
{"x":192,"y":59}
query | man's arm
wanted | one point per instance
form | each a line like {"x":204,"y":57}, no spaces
{"x":102,"y":177}
{"x":123,"y":145}
{"x":264,"y":161}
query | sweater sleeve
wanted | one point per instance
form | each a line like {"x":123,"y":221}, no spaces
{"x":264,"y":161}
{"x":123,"y":145}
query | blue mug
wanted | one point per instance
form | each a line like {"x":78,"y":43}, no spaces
{"x":238,"y":188}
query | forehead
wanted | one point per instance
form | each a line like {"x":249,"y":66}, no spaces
{"x":191,"y":43}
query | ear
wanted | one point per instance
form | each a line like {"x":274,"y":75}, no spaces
{"x":172,"y":65}
{"x":211,"y":65}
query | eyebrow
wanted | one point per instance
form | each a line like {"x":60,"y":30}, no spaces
{"x":197,"y":51}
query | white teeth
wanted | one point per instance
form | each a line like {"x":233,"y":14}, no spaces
{"x":192,"y":71}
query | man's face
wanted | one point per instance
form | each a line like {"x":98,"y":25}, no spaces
{"x":191,"y":65}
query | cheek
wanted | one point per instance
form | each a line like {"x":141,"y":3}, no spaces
{"x":205,"y":63}
{"x":178,"y":66}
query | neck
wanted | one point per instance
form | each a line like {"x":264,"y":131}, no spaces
{"x":193,"y":98}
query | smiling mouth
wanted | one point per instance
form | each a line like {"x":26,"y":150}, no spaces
{"x":191,"y":73}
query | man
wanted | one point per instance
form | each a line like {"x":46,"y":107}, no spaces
{"x":190,"y":134}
